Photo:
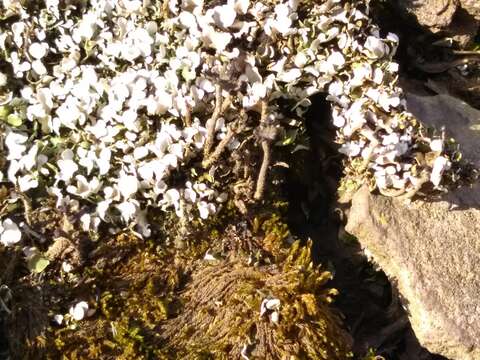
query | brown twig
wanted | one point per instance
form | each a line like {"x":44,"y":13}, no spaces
{"x":27,"y":206}
{"x":466,"y":52}
{"x":219,"y":149}
{"x":212,"y":122}
{"x":226,"y":104}
{"x":188,"y":117}
{"x":262,"y":175}
{"x":370,"y":135}
{"x":411,"y":193}
{"x":225,"y":141}
{"x":403,"y":194}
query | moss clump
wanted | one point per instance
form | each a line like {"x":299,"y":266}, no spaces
{"x":133,"y":285}
{"x":154,"y":303}
{"x":221,"y":316}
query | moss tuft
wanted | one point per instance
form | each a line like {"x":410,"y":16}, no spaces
{"x":221,"y":316}
{"x":155,"y":303}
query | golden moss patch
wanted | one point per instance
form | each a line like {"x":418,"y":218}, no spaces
{"x":152,"y":303}
{"x":221,"y":317}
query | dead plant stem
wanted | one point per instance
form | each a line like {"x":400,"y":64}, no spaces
{"x":212,"y":122}
{"x":262,"y":175}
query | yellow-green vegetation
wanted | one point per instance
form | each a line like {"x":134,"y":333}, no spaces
{"x":221,"y":315}
{"x":153,"y":303}
{"x":143,"y":145}
{"x":372,"y":355}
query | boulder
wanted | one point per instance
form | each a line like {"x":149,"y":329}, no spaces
{"x":431,"y":249}
{"x":460,"y":120}
{"x":472,"y":7}
{"x":458,"y":19}
{"x":463,"y":28}
{"x":433,"y":14}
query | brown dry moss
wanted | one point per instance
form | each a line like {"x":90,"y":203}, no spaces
{"x":133,"y":285}
{"x":222,"y":304}
{"x":162,"y":300}
{"x":153,"y":303}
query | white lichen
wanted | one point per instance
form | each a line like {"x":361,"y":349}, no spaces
{"x":116,"y":100}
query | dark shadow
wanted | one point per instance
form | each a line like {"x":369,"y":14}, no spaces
{"x":3,"y":338}
{"x":430,"y":56}
{"x":373,"y":309}
{"x":371,"y":305}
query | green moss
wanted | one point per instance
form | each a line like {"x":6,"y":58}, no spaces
{"x":221,"y":312}
{"x":159,"y":299}
{"x":372,"y":355}
{"x":156,"y":303}
{"x":135,"y":282}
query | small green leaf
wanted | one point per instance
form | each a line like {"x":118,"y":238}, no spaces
{"x":209,"y":178}
{"x":85,"y":144}
{"x":4,"y":112}
{"x":89,"y":46}
{"x":14,"y":120}
{"x":12,"y":207}
{"x":37,"y":263}
{"x":289,"y":138}
{"x":56,"y":140}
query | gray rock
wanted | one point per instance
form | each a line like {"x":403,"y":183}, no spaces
{"x":433,"y":14}
{"x":463,"y":28}
{"x":461,"y":121}
{"x":472,"y":7}
{"x":431,"y":250}
{"x":458,"y":19}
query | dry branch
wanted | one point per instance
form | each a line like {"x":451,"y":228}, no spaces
{"x":224,"y":142}
{"x":212,"y":122}
{"x":262,"y":175}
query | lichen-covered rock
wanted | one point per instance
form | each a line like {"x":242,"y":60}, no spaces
{"x":459,"y":119}
{"x":431,"y":249}
{"x":432,"y":253}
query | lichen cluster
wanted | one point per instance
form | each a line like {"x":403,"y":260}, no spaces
{"x":118,"y":107}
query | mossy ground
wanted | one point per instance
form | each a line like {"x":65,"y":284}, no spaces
{"x":153,"y":301}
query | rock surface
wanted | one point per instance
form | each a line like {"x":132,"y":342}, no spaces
{"x":431,"y":250}
{"x":459,"y":19}
{"x":434,"y":14}
{"x":460,"y":120}
{"x":472,"y":7}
